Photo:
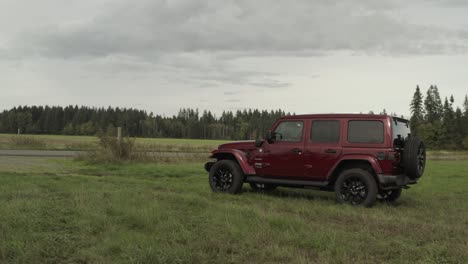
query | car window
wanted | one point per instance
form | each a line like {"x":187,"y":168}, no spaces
{"x":289,"y":131}
{"x":371,"y":132}
{"x":325,"y":131}
{"x":400,"y":131}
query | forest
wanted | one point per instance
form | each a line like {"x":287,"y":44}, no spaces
{"x":188,"y":123}
{"x":439,"y":123}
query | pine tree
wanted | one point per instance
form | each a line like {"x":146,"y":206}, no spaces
{"x":448,"y":126}
{"x":459,"y":128}
{"x":465,"y":106}
{"x":465,"y":123}
{"x":433,"y":105}
{"x":417,"y":110}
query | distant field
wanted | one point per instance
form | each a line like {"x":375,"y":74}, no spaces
{"x":64,"y":211}
{"x":61,"y":142}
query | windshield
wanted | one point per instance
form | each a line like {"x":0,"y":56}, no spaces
{"x":400,"y":131}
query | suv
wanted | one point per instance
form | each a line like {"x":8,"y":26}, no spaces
{"x":361,"y":158}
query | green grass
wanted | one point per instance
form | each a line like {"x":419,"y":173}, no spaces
{"x":62,"y":142}
{"x":63,"y":211}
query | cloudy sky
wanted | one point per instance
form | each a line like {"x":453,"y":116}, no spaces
{"x":304,"y":56}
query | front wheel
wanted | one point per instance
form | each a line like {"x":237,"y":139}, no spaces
{"x":356,"y":187}
{"x":226,"y":176}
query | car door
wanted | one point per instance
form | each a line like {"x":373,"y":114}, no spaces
{"x":322,"y":148}
{"x":283,"y":158}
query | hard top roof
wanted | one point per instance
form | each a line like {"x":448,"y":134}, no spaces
{"x":365,"y":116}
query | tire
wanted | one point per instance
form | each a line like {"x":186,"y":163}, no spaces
{"x":226,"y":177}
{"x":356,"y":187}
{"x":262,"y":187}
{"x":389,"y":195}
{"x":414,"y":157}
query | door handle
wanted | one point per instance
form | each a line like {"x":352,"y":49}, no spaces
{"x":330,"y":151}
{"x":296,"y":150}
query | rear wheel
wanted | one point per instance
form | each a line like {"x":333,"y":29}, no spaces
{"x":356,"y":187}
{"x":262,"y":187}
{"x":389,"y":195}
{"x":226,"y":176}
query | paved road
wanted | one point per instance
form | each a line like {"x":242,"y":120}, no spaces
{"x":40,"y":153}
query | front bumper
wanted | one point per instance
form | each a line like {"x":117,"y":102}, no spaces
{"x":388,"y":182}
{"x":208,"y":166}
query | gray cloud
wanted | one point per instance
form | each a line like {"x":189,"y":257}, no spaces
{"x":450,"y":3}
{"x":270,"y":83}
{"x":231,"y":93}
{"x":149,"y":28}
{"x":199,"y":53}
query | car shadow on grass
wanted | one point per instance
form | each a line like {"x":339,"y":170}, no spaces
{"x":305,"y":194}
{"x":326,"y":196}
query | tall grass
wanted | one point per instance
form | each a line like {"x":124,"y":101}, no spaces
{"x":166,"y":213}
{"x":24,"y":141}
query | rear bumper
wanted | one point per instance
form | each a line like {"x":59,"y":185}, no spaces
{"x":394,"y":181}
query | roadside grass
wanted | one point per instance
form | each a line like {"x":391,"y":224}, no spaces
{"x":62,"y":142}
{"x":26,"y":142}
{"x":89,"y":143}
{"x":74,"y":212}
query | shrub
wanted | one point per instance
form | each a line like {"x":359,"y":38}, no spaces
{"x":110,"y":149}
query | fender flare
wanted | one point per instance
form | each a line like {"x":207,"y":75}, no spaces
{"x":367,"y":158}
{"x":238,"y":155}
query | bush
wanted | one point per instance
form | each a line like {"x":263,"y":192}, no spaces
{"x":111,"y":150}
{"x":23,"y":141}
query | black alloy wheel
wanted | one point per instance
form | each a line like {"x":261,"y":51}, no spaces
{"x":226,"y":177}
{"x":354,"y":191}
{"x":356,"y":187}
{"x":222,"y":179}
{"x":414,"y":157}
{"x":421,"y":158}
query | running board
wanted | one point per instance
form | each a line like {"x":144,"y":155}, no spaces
{"x":284,"y":182}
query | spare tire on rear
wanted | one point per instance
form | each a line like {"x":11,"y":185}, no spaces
{"x":414,"y":157}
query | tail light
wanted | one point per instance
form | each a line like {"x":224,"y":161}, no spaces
{"x":394,"y":156}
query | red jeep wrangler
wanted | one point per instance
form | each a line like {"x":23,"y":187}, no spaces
{"x":360,"y":157}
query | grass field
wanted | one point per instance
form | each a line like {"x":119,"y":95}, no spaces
{"x":65,"y":211}
{"x":61,"y":142}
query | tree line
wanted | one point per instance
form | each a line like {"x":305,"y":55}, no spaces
{"x":188,"y":123}
{"x":438,"y":123}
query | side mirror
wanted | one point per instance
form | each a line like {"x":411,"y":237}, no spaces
{"x":258,"y":143}
{"x":270,"y":137}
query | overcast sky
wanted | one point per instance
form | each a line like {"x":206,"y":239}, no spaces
{"x":304,"y":56}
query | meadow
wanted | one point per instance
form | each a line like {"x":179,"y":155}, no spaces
{"x":68,"y":211}
{"x":64,"y":142}
{"x":86,"y":143}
